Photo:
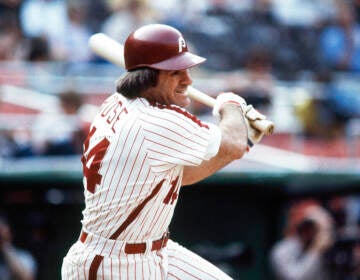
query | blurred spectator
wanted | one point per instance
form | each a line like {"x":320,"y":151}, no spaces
{"x":356,"y":4}
{"x":339,"y":44}
{"x":72,"y":45}
{"x":179,"y":14}
{"x":256,"y":82}
{"x":344,"y":99}
{"x":62,"y":23}
{"x":213,"y":32}
{"x":303,"y":13}
{"x":42,"y":237}
{"x":62,"y":132}
{"x":343,"y":258}
{"x":97,"y":12}
{"x":11,"y":41}
{"x":15,"y":263}
{"x":10,"y":8}
{"x":43,"y":18}
{"x":308,"y":235}
{"x":127,"y":15}
{"x":322,"y":115}
{"x":15,"y":145}
{"x":38,"y":50}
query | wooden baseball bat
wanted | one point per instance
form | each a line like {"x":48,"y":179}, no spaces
{"x":111,"y":50}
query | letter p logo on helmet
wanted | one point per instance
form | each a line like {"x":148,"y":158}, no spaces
{"x":182,"y":44}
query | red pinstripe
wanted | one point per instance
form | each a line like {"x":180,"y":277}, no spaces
{"x":168,"y":128}
{"x":186,"y":272}
{"x":127,"y":267}
{"x":120,"y":276}
{"x":173,"y":124}
{"x":168,"y":147}
{"x":173,"y":275}
{"x":179,"y":110}
{"x":191,"y":163}
{"x":142,"y":270}
{"x":103,"y":271}
{"x":78,"y":273}
{"x":185,"y":258}
{"x":135,"y":269}
{"x":190,"y":147}
{"x":111,"y":269}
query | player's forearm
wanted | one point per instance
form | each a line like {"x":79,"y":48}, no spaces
{"x":233,"y":146}
{"x":192,"y":175}
{"x":234,"y":134}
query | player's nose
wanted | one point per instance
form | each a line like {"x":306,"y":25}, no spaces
{"x":186,"y":78}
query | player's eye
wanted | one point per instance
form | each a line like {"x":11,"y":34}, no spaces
{"x":174,"y":73}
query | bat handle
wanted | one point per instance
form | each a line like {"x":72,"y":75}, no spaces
{"x":200,"y":96}
{"x":265,"y":126}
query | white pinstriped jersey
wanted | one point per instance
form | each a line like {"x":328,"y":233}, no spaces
{"x":133,"y":162}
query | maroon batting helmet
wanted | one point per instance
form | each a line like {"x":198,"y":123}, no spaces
{"x":160,"y":47}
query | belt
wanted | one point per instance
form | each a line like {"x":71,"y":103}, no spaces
{"x":138,"y":248}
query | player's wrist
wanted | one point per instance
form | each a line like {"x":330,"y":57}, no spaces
{"x":226,"y":99}
{"x":231,"y":107}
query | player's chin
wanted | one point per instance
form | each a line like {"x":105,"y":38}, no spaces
{"x":182,"y":100}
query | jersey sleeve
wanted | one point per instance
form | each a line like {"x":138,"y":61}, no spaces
{"x":176,"y":137}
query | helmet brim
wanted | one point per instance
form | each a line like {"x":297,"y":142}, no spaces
{"x":182,"y":61}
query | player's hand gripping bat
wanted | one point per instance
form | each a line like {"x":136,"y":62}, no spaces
{"x":113,"y":51}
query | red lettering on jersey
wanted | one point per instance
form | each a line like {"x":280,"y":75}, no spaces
{"x":112,"y":112}
{"x":172,"y":194}
{"x":123,"y":110}
{"x":91,"y":173}
{"x":107,"y":108}
{"x":183,"y":112}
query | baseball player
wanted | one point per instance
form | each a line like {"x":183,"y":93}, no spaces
{"x":143,"y":146}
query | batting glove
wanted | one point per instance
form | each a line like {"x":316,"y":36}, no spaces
{"x":254,"y":135}
{"x":228,"y":98}
{"x":251,"y":115}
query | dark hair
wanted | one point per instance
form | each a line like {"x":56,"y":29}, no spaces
{"x":132,"y":83}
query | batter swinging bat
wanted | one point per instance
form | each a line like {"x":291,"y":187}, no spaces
{"x":112,"y":51}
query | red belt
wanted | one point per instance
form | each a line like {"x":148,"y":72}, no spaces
{"x":138,"y":248}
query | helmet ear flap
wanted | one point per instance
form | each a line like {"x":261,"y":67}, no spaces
{"x":158,"y":46}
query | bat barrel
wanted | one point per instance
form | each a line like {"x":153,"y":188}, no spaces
{"x":107,"y":48}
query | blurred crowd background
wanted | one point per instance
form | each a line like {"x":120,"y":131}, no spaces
{"x":297,"y":61}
